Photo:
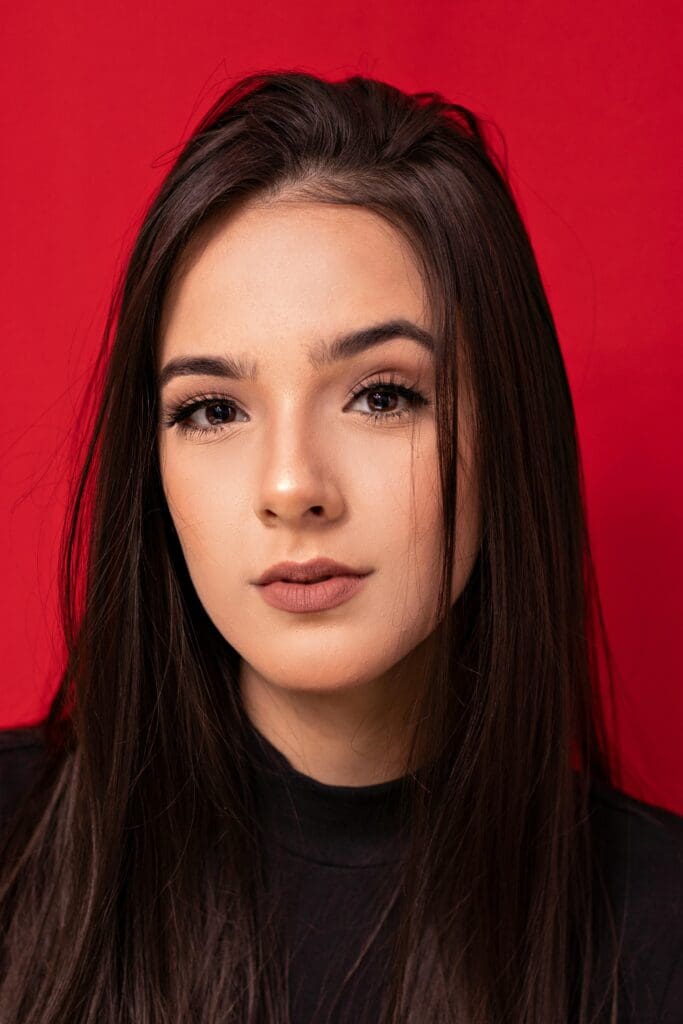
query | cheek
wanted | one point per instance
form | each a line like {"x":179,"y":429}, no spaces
{"x":417,"y":531}
{"x":208,"y":512}
{"x":423,"y":568}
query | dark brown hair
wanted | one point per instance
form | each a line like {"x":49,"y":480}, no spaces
{"x":131,"y":881}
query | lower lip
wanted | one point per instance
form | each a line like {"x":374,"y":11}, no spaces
{"x":312,"y":597}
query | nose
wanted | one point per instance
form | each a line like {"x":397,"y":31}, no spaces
{"x":298,"y":482}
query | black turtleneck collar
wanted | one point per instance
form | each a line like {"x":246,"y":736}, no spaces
{"x":344,"y":826}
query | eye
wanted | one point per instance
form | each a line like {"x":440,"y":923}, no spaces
{"x":216,"y":411}
{"x":386,"y":394}
{"x":220,"y":413}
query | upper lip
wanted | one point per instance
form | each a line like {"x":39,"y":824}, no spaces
{"x":304,"y":571}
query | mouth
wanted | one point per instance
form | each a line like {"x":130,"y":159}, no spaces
{"x":319,"y":595}
{"x":316,"y":570}
{"x":305,"y":583}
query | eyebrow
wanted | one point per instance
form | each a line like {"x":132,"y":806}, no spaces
{"x":320,"y":355}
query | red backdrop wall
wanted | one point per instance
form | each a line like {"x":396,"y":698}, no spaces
{"x":97,"y":97}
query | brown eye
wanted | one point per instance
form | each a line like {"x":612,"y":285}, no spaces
{"x":219,"y":412}
{"x":203,"y":415}
{"x":383,"y":399}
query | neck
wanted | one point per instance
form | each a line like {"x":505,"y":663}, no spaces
{"x":355,"y":736}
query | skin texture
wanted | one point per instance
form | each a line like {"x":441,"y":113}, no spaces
{"x":296,"y":471}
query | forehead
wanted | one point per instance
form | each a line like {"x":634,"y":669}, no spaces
{"x":288,"y":272}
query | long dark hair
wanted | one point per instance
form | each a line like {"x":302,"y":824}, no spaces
{"x":131,"y":882}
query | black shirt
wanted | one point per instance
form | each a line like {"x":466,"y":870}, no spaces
{"x":332,"y":853}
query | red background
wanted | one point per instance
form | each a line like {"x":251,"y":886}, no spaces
{"x":98,"y":96}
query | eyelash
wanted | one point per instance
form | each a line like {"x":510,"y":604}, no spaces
{"x":180,"y":413}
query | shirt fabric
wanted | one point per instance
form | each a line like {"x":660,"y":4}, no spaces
{"x":333,"y":852}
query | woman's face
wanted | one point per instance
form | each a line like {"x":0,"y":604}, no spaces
{"x":286,"y":464}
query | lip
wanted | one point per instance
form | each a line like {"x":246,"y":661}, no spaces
{"x":312,"y":597}
{"x":302,"y":572}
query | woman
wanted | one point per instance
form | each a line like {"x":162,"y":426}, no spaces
{"x":385,"y":795}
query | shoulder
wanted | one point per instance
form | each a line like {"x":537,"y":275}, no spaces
{"x":642,"y":845}
{"x":22,"y":754}
{"x":639,"y":849}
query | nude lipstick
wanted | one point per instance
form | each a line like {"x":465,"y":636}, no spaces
{"x":314,"y":586}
